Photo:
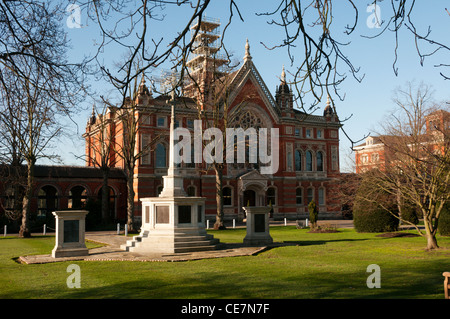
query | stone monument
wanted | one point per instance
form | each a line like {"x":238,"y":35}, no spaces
{"x":257,"y":226}
{"x":70,"y":233}
{"x":173,"y":222}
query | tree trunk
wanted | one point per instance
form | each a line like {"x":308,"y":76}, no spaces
{"x":431,"y":242}
{"x":24,"y":231}
{"x":130,"y":200}
{"x":105,"y":196}
{"x":219,"y":198}
{"x":430,"y":233}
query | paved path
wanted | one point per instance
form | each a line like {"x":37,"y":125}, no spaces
{"x":111,"y":250}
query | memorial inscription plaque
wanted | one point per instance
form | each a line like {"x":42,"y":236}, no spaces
{"x":71,"y":231}
{"x":162,"y":214}
{"x":184,"y":214}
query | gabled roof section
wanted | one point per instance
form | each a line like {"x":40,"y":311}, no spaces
{"x":247,"y":72}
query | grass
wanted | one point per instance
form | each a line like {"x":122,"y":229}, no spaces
{"x":331,"y":266}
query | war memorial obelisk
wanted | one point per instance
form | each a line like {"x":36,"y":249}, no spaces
{"x":173,"y":222}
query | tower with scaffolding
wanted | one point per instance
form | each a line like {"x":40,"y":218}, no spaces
{"x":206,"y":63}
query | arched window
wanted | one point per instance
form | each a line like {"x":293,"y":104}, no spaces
{"x":160,"y":152}
{"x":299,"y":196}
{"x":271,"y":196}
{"x":298,"y":160}
{"x":47,"y":200}
{"x":309,"y":161}
{"x":77,"y":197}
{"x":319,"y":161}
{"x":227,"y":199}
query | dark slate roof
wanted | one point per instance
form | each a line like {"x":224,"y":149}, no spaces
{"x":75,"y":171}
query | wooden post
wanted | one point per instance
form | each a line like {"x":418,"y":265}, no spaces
{"x":446,"y":284}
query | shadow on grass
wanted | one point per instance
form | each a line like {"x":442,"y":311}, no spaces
{"x":321,"y":242}
{"x":425,"y":282}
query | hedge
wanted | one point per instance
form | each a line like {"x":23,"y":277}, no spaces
{"x":444,"y":221}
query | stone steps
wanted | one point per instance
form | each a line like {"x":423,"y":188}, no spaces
{"x":176,"y":244}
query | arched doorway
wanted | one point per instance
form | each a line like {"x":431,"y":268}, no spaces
{"x":111,"y":203}
{"x":249,"y":198}
{"x":77,"y":197}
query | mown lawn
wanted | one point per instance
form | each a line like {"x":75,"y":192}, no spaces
{"x":331,"y":266}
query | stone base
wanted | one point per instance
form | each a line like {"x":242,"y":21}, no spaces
{"x":69,"y":252}
{"x":172,"y":225}
{"x":151,"y":242}
{"x":258,"y":242}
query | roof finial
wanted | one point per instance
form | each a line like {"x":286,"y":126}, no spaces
{"x":247,"y":51}
{"x":328,"y":111}
{"x":283,"y":76}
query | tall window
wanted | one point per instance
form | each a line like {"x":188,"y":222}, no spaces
{"x":161,"y":122}
{"x":145,"y":141}
{"x":271,"y":196}
{"x":321,"y":194}
{"x":226,"y":192}
{"x":319,"y":161}
{"x":298,"y":160}
{"x":310,"y":194}
{"x":319,"y":134}
{"x":299,"y":196}
{"x":160,"y":152}
{"x":309,"y":161}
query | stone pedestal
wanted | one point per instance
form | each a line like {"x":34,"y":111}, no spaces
{"x":257,"y":226}
{"x":70,"y":233}
{"x":172,"y":225}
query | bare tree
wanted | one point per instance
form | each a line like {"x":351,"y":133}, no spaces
{"x":32,"y":31}
{"x":417,"y":160}
{"x":30,"y":119}
{"x":130,"y":116}
{"x":37,"y":80}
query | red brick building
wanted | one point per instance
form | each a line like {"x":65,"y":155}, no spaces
{"x":374,"y":154}
{"x":308,"y":144}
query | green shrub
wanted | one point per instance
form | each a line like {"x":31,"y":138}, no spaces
{"x":374,"y":221}
{"x":313,"y":213}
{"x":444,"y":221}
{"x":369,"y":213}
{"x":369,"y":217}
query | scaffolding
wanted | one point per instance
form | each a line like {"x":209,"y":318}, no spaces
{"x":206,"y":34}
